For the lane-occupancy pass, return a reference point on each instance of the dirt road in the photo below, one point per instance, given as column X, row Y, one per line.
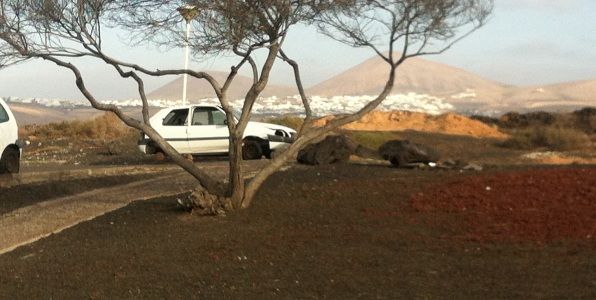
column 31, row 223
column 35, row 219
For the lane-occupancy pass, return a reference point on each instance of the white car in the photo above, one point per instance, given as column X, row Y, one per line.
column 9, row 143
column 202, row 129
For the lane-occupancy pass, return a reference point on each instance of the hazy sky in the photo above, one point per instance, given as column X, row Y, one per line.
column 526, row 42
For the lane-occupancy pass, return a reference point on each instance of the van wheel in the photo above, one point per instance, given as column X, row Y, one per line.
column 251, row 149
column 10, row 161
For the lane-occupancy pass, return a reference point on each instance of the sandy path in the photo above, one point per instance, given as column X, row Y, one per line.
column 34, row 222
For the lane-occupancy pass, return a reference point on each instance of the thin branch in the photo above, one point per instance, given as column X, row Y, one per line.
column 300, row 86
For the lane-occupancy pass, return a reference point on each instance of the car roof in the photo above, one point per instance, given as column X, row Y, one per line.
column 189, row 106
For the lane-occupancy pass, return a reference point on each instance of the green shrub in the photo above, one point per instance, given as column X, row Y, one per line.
column 586, row 119
column 552, row 138
column 514, row 120
column 486, row 119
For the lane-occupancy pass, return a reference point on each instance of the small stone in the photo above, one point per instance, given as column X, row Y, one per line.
column 448, row 163
column 472, row 167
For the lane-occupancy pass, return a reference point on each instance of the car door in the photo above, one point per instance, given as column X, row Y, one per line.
column 208, row 132
column 5, row 128
column 174, row 128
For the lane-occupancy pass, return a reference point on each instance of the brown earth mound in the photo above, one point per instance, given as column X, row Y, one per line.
column 539, row 206
column 404, row 120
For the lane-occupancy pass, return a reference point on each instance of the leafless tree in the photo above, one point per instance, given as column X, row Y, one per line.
column 62, row 30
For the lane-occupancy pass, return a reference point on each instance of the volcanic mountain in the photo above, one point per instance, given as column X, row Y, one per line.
column 415, row 75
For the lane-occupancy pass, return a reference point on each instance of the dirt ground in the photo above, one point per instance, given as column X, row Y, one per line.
column 339, row 232
column 360, row 230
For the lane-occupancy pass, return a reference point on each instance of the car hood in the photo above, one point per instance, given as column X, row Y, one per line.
column 255, row 125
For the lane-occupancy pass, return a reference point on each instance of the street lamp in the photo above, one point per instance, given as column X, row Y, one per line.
column 188, row 12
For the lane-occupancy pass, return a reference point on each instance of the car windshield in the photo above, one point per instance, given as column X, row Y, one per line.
column 3, row 114
column 236, row 111
column 176, row 117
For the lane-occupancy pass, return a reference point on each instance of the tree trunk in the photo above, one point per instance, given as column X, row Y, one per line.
column 236, row 178
column 310, row 134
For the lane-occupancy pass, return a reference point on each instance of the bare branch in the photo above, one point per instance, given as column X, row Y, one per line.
column 300, row 86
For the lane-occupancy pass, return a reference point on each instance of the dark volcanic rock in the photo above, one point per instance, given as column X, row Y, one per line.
column 401, row 153
column 333, row 149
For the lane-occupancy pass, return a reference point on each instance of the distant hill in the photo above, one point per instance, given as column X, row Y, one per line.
column 415, row 75
column 548, row 97
column 201, row 89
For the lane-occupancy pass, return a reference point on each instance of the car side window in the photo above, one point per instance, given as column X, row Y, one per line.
column 201, row 116
column 208, row 116
column 176, row 117
column 219, row 118
column 3, row 115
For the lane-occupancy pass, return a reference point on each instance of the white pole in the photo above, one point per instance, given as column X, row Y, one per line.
column 186, row 54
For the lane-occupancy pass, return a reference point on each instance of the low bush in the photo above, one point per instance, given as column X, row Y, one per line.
column 486, row 119
column 552, row 138
column 583, row 119
column 515, row 120
column 586, row 119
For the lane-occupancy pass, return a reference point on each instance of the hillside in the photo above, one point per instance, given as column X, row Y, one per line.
column 201, row 89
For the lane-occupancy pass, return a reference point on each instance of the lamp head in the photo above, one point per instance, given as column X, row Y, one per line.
column 188, row 12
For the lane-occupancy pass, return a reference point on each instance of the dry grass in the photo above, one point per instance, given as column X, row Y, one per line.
column 105, row 127
column 552, row 138
column 106, row 132
column 552, row 131
column 583, row 119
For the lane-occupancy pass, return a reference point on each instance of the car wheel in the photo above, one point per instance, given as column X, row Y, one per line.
column 10, row 161
column 398, row 161
column 251, row 149
column 268, row 154
column 151, row 149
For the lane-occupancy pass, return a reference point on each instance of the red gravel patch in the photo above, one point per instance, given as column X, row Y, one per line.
column 539, row 206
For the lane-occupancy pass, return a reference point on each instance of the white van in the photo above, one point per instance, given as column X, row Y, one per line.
column 9, row 143
column 202, row 129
